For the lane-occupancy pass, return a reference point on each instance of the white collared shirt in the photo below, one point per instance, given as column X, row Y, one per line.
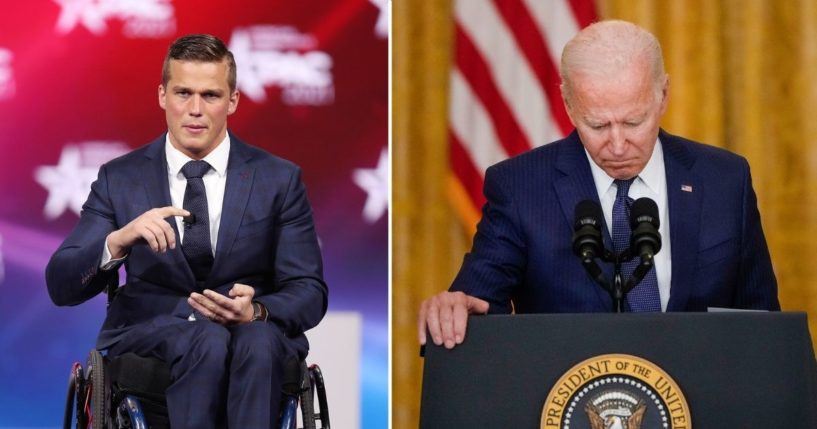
column 651, row 183
column 215, row 181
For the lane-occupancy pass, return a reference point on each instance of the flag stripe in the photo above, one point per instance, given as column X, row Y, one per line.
column 472, row 126
column 518, row 85
column 475, row 69
column 584, row 11
column 532, row 42
column 463, row 168
column 557, row 23
column 504, row 93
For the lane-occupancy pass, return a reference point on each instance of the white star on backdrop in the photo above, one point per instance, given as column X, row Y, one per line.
column 67, row 183
column 85, row 12
column 381, row 27
column 375, row 181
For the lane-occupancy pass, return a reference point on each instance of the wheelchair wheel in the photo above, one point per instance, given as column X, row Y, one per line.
column 319, row 386
column 96, row 390
column 307, row 398
column 75, row 390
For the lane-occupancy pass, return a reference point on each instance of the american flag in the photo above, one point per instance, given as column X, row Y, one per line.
column 504, row 86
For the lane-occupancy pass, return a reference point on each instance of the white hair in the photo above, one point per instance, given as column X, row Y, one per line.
column 607, row 47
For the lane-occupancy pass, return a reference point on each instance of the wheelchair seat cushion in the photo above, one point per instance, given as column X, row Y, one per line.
column 144, row 376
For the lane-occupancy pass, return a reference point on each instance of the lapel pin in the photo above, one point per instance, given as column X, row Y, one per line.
column 686, row 188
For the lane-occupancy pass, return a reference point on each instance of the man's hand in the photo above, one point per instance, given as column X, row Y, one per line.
column 446, row 316
column 223, row 310
column 151, row 227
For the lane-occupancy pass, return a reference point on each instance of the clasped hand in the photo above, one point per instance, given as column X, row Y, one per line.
column 227, row 311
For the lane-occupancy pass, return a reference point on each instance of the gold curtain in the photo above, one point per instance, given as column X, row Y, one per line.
column 741, row 76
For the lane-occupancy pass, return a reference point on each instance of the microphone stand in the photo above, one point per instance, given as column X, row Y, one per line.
column 618, row 290
column 588, row 245
column 617, row 293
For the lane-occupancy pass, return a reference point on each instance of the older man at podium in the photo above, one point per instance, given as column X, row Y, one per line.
column 713, row 252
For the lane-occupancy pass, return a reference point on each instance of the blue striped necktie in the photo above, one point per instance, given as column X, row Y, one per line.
column 644, row 297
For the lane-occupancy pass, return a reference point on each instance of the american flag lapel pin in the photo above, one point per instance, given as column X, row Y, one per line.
column 686, row 188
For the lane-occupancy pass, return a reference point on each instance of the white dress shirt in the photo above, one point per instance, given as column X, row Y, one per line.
column 215, row 181
column 650, row 183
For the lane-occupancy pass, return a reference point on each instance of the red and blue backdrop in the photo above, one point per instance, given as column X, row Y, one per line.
column 78, row 86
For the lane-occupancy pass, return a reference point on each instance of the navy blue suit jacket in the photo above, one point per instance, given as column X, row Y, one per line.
column 522, row 249
column 266, row 239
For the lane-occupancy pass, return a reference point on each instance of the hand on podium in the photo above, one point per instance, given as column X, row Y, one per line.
column 445, row 315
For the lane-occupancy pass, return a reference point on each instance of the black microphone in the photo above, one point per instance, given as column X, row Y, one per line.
column 587, row 241
column 645, row 240
column 188, row 221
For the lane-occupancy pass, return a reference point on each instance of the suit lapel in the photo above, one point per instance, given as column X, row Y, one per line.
column 684, row 197
column 155, row 181
column 240, row 177
column 158, row 192
column 575, row 186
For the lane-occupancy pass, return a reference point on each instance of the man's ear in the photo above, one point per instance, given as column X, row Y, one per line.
column 665, row 94
column 566, row 103
column 233, row 102
column 162, row 94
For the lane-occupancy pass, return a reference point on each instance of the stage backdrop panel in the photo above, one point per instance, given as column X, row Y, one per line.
column 78, row 86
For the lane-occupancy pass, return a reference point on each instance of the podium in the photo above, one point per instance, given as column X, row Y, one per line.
column 734, row 369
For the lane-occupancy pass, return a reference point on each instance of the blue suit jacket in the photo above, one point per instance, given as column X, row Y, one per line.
column 266, row 239
column 522, row 249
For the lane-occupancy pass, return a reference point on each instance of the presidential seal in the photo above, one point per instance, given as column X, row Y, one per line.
column 615, row 391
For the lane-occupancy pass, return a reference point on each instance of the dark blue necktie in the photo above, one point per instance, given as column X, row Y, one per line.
column 196, row 242
column 644, row 297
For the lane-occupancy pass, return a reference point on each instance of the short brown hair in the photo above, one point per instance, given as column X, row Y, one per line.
column 200, row 47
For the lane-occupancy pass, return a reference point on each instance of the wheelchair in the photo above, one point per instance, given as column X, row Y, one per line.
column 127, row 392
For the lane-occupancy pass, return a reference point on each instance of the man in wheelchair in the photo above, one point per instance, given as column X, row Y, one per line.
column 224, row 272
